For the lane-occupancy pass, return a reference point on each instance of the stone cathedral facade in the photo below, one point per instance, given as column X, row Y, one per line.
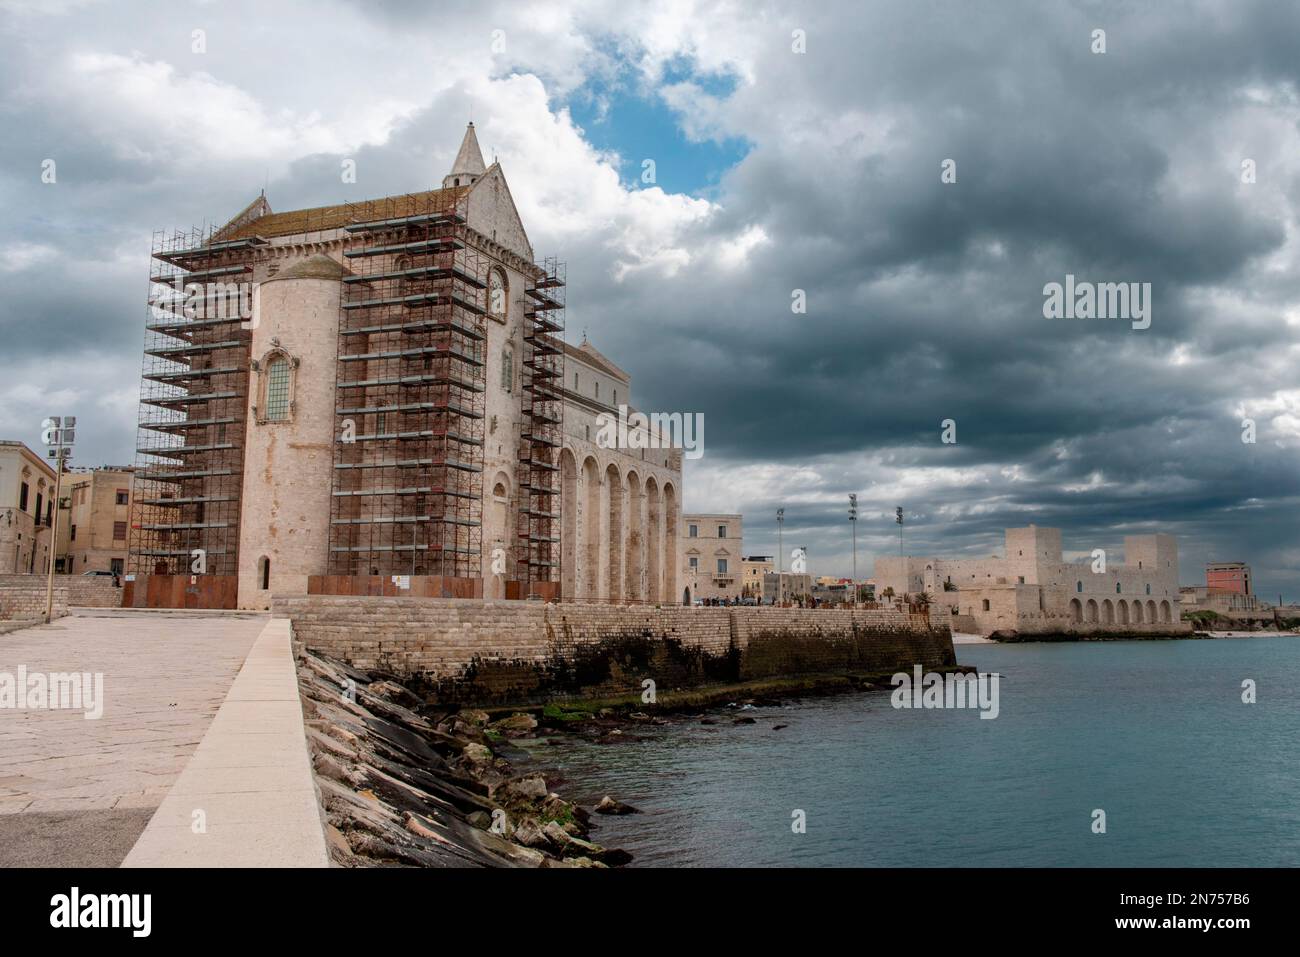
column 377, row 398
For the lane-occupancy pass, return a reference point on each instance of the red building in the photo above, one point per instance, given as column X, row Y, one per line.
column 1230, row 577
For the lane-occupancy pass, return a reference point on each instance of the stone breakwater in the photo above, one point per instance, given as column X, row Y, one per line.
column 401, row 784
column 497, row 653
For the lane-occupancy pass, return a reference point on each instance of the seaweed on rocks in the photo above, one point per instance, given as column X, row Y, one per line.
column 401, row 785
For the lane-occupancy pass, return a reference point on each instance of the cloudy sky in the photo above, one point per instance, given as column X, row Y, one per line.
column 774, row 170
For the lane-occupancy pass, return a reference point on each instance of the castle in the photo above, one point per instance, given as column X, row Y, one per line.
column 1031, row 590
column 376, row 398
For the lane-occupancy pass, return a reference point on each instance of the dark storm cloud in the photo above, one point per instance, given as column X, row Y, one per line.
column 924, row 299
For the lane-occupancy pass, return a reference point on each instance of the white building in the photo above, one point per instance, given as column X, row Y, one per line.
column 1031, row 590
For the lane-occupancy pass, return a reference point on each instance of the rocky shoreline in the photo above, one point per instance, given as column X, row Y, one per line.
column 402, row 784
column 405, row 783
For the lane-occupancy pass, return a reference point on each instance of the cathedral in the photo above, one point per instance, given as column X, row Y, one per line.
column 378, row 398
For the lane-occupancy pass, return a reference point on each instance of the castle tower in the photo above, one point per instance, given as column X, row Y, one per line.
column 1030, row 551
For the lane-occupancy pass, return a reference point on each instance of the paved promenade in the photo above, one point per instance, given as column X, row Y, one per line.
column 77, row 792
column 247, row 798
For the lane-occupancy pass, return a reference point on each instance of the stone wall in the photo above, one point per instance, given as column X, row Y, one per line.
column 22, row 597
column 500, row 652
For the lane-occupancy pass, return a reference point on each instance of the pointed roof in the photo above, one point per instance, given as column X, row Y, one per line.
column 469, row 160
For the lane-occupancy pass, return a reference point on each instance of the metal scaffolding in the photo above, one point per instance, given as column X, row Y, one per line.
column 541, row 432
column 190, row 439
column 408, row 454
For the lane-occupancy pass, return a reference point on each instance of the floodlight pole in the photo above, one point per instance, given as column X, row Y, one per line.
column 780, row 559
column 54, row 532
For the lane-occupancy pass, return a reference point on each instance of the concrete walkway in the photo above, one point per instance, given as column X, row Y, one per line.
column 77, row 792
column 247, row 798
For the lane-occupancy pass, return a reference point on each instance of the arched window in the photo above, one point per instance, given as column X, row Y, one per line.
column 264, row 572
column 497, row 292
column 1078, row 586
column 1148, row 589
column 1118, row 590
column 277, row 389
column 508, row 370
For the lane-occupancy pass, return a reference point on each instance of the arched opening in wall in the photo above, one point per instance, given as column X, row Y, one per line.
column 985, row 604
column 1123, row 612
column 264, row 573
column 686, row 596
column 632, row 564
column 1137, row 612
column 404, row 284
column 1151, row 612
column 1092, row 610
column 1165, row 613
column 589, row 580
column 1076, row 611
column 671, row 520
column 1108, row 612
column 614, row 483
column 568, row 525
column 499, row 537
column 653, row 539
column 277, row 389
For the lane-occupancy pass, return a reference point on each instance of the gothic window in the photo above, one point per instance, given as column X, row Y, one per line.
column 508, row 371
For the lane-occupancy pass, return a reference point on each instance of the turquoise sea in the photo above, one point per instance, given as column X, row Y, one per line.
column 1154, row 733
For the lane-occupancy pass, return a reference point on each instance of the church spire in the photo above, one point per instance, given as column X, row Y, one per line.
column 469, row 161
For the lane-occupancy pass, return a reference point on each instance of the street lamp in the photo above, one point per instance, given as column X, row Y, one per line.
column 853, row 523
column 780, row 558
column 58, row 434
column 898, row 517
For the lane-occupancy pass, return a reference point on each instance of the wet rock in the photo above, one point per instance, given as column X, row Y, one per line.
column 529, row 833
column 517, row 723
column 608, row 805
column 399, row 786
column 778, row 727
column 707, row 721
column 529, row 789
column 745, row 720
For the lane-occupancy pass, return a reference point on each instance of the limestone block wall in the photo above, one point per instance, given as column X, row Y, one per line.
column 289, row 462
column 498, row 652
column 23, row 596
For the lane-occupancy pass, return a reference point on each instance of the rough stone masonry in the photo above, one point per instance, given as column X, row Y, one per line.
column 471, row 651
